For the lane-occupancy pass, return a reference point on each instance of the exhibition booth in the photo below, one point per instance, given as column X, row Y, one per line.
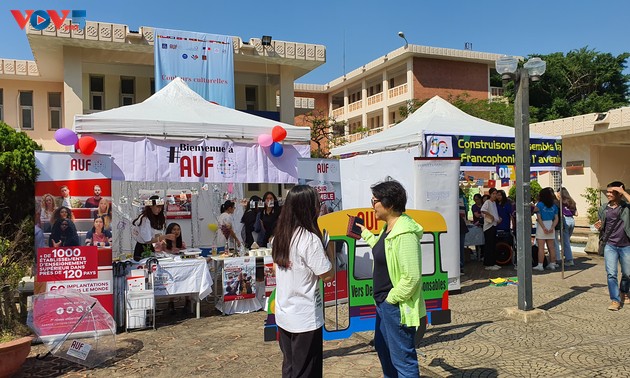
column 420, row 152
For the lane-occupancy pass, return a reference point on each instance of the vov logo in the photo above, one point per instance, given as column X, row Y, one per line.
column 40, row 19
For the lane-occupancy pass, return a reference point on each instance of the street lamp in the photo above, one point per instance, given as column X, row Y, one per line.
column 402, row 35
column 507, row 67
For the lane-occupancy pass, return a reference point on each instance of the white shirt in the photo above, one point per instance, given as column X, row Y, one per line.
column 299, row 302
column 490, row 207
column 224, row 219
column 144, row 233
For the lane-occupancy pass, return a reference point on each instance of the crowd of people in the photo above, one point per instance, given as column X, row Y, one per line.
column 55, row 217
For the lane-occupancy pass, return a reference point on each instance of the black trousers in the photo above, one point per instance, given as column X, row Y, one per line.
column 490, row 246
column 303, row 353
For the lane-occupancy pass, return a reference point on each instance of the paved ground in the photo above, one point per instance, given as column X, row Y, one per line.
column 576, row 337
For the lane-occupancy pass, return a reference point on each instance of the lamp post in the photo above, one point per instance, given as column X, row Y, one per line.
column 402, row 35
column 532, row 69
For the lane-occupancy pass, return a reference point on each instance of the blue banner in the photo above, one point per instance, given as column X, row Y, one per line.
column 204, row 61
column 489, row 151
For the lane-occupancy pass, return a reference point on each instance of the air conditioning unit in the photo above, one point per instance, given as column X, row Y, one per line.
column 601, row 118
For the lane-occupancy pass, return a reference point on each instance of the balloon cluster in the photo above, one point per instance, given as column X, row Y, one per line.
column 278, row 133
column 86, row 144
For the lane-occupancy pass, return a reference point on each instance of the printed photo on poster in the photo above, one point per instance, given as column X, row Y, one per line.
column 178, row 204
column 239, row 279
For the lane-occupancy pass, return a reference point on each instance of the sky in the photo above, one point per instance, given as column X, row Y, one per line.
column 357, row 32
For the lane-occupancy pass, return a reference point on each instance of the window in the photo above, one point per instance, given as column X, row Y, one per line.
column 391, row 83
column 1, row 104
column 127, row 91
column 54, row 110
column 557, row 179
column 251, row 98
column 97, row 93
column 26, row 110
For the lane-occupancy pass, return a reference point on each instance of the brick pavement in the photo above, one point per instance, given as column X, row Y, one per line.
column 577, row 337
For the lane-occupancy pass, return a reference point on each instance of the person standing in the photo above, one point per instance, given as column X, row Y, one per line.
column 546, row 221
column 569, row 211
column 227, row 236
column 614, row 229
column 93, row 202
column 397, row 280
column 300, row 259
column 148, row 227
column 490, row 222
column 249, row 221
column 268, row 218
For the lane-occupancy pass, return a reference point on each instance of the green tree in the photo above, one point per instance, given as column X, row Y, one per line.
column 534, row 189
column 580, row 82
column 18, row 172
column 326, row 132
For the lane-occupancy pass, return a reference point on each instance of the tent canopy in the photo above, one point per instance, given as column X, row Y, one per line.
column 178, row 111
column 436, row 116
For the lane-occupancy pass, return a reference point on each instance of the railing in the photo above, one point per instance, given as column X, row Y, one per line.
column 362, row 134
column 355, row 106
column 397, row 91
column 496, row 91
column 375, row 99
column 337, row 113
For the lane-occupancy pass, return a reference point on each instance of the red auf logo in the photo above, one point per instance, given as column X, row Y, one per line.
column 40, row 19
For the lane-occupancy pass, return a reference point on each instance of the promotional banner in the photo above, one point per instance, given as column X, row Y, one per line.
column 325, row 176
column 488, row 151
column 270, row 275
column 239, row 279
column 204, row 61
column 205, row 160
column 437, row 189
column 70, row 192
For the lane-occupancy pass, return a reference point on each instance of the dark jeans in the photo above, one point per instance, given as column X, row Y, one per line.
column 302, row 353
column 394, row 343
column 490, row 246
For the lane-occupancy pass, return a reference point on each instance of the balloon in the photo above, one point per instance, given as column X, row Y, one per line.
column 76, row 147
column 276, row 149
column 213, row 227
column 66, row 137
column 87, row 145
column 265, row 140
column 278, row 133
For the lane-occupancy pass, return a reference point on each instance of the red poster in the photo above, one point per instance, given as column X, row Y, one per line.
column 67, row 263
column 340, row 283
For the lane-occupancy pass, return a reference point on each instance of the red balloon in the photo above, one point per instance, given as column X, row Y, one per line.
column 76, row 147
column 87, row 145
column 278, row 133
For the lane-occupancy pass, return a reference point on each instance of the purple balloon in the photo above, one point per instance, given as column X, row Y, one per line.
column 66, row 137
column 276, row 149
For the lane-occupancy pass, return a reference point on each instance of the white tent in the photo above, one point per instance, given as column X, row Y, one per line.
column 436, row 116
column 177, row 111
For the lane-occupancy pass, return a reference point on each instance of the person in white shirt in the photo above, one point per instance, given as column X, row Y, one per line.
column 226, row 235
column 490, row 221
column 148, row 228
column 301, row 260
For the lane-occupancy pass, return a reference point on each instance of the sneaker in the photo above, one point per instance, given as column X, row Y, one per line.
column 539, row 268
column 625, row 299
column 492, row 267
column 614, row 306
column 552, row 266
column 569, row 263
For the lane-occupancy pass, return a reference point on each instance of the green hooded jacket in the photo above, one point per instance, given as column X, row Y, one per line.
column 404, row 265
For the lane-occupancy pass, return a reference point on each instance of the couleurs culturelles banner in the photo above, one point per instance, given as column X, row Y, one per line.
column 489, row 151
column 204, row 61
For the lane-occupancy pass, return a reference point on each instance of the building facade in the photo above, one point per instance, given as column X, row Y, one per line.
column 105, row 65
column 368, row 98
column 595, row 152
